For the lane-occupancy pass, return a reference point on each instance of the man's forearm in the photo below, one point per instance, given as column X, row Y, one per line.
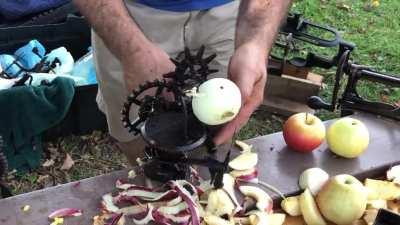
column 112, row 22
column 259, row 22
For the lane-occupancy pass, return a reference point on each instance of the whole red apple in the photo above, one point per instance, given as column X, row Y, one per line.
column 303, row 132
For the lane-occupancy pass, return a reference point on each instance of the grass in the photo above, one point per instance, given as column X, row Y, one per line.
column 376, row 32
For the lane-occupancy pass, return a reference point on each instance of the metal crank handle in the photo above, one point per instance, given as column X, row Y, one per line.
column 298, row 26
column 316, row 102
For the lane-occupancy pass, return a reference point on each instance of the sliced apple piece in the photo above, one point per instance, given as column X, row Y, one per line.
column 291, row 205
column 244, row 161
column 313, row 179
column 276, row 219
column 219, row 203
column 380, row 189
column 259, row 218
column 393, row 174
column 370, row 216
column 216, row 220
column 309, row 209
column 377, row 204
column 244, row 146
column 264, row 201
column 229, row 185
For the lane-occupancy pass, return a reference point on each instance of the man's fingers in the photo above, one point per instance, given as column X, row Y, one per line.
column 229, row 129
column 243, row 116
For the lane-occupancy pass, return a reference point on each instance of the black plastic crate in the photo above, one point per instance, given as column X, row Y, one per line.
column 83, row 116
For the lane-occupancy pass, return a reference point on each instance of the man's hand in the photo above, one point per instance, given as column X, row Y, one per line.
column 141, row 60
column 247, row 68
column 146, row 64
column 257, row 26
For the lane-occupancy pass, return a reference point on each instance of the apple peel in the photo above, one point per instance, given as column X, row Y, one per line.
column 150, row 195
column 147, row 218
column 65, row 212
column 172, row 210
column 244, row 175
column 188, row 198
column 108, row 203
column 116, row 219
column 166, row 219
column 132, row 210
column 126, row 186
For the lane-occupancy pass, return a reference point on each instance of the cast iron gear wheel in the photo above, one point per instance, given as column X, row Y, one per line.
column 190, row 71
column 146, row 103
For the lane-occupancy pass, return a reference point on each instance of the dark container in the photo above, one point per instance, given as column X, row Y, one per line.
column 74, row 34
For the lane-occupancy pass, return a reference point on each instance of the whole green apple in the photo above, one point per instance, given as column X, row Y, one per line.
column 303, row 132
column 348, row 137
column 343, row 199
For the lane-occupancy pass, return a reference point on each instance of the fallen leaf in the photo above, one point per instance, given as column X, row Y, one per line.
column 131, row 174
column 48, row 163
column 41, row 178
column 343, row 5
column 375, row 3
column 384, row 98
column 369, row 6
column 397, row 104
column 68, row 162
column 58, row 221
column 52, row 150
column 26, row 208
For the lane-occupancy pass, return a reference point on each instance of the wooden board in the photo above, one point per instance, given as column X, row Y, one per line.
column 286, row 95
column 293, row 88
column 278, row 166
column 283, row 106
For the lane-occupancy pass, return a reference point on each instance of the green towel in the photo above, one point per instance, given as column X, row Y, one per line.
column 25, row 113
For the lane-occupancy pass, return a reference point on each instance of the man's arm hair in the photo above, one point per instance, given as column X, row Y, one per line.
column 259, row 22
column 113, row 23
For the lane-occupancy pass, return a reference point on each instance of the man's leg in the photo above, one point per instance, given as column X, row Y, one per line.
column 215, row 28
column 161, row 27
